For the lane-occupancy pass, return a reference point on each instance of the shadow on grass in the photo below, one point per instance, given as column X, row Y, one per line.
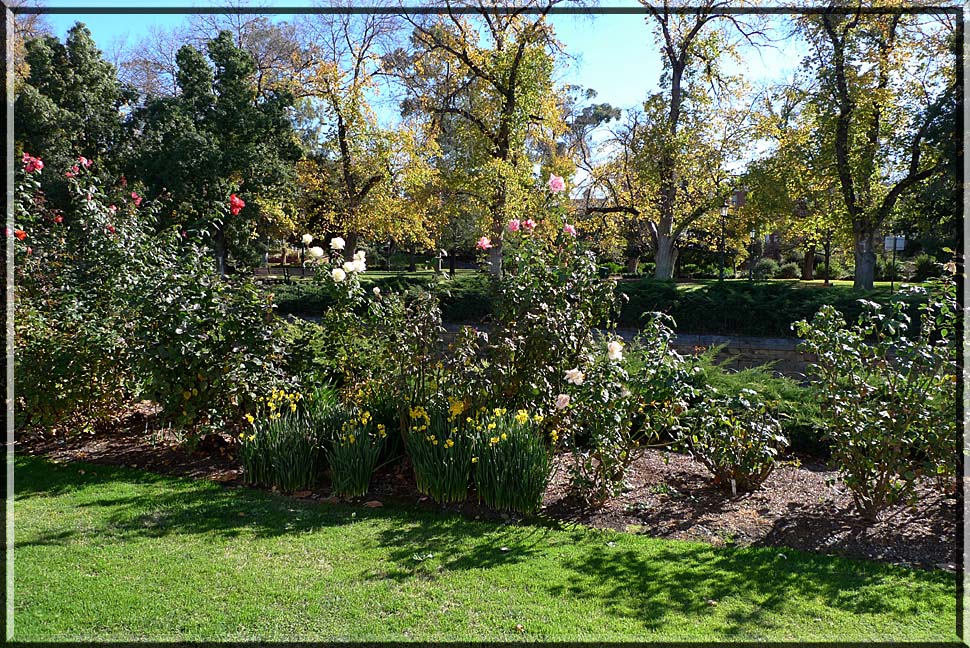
column 634, row 577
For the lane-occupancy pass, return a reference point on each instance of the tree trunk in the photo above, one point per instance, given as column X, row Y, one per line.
column 865, row 260
column 412, row 263
column 495, row 259
column 633, row 263
column 350, row 246
column 808, row 265
column 451, row 264
column 666, row 257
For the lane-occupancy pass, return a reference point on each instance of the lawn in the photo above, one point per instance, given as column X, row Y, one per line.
column 107, row 553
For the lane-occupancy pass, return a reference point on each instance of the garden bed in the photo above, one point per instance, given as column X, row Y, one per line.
column 669, row 496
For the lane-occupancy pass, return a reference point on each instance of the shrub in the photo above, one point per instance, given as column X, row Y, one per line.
column 599, row 426
column 548, row 303
column 789, row 271
column 926, row 267
column 209, row 350
column 440, row 450
column 280, row 449
column 797, row 405
column 512, row 461
column 736, row 438
column 889, row 399
column 73, row 304
column 741, row 308
column 765, row 269
column 659, row 379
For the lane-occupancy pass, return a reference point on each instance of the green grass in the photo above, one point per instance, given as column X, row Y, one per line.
column 106, row 553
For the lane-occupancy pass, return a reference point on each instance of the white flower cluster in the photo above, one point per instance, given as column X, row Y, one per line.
column 358, row 264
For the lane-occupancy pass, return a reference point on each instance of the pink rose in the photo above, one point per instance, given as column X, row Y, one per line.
column 484, row 243
column 86, row 163
column 113, row 209
column 136, row 198
column 514, row 225
column 528, row 225
column 31, row 163
column 569, row 229
column 73, row 172
column 556, row 183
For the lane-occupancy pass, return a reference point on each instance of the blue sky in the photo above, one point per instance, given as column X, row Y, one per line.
column 613, row 54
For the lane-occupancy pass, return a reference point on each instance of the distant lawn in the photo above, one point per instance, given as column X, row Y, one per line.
column 113, row 554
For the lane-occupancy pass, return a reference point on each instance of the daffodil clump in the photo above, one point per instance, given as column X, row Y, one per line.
column 353, row 449
column 279, row 449
column 512, row 460
column 440, row 448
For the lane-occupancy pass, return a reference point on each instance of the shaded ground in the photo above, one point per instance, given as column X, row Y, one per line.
column 668, row 496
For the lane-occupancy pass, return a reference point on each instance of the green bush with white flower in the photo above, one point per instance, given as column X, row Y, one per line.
column 889, row 396
column 736, row 437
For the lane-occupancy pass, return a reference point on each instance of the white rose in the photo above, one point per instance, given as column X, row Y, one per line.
column 338, row 275
column 350, row 266
column 359, row 255
column 615, row 350
column 337, row 243
column 562, row 401
column 575, row 376
column 377, row 291
column 359, row 265
column 307, row 239
column 316, row 251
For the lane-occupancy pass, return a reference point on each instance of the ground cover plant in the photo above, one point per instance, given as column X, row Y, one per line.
column 107, row 553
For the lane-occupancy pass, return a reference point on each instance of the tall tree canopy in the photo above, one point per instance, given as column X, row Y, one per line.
column 218, row 136
column 488, row 75
column 885, row 83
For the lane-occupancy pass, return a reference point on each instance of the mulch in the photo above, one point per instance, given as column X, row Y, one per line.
column 802, row 505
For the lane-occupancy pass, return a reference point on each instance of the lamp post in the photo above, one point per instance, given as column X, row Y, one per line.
column 724, row 212
column 751, row 257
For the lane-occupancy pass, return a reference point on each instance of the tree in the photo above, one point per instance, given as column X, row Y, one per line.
column 362, row 179
column 880, row 101
column 791, row 188
column 217, row 137
column 683, row 130
column 631, row 180
column 490, row 71
column 69, row 104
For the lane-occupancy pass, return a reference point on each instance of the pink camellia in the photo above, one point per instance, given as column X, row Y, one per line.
column 31, row 163
column 136, row 198
column 556, row 183
column 514, row 225
column 528, row 225
column 73, row 172
column 83, row 161
column 569, row 229
column 113, row 209
column 484, row 243
column 236, row 204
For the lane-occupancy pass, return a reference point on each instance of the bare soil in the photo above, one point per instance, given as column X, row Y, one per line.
column 669, row 495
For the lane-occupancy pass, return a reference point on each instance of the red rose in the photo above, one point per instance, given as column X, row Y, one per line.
column 111, row 228
column 20, row 234
column 58, row 219
column 235, row 204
